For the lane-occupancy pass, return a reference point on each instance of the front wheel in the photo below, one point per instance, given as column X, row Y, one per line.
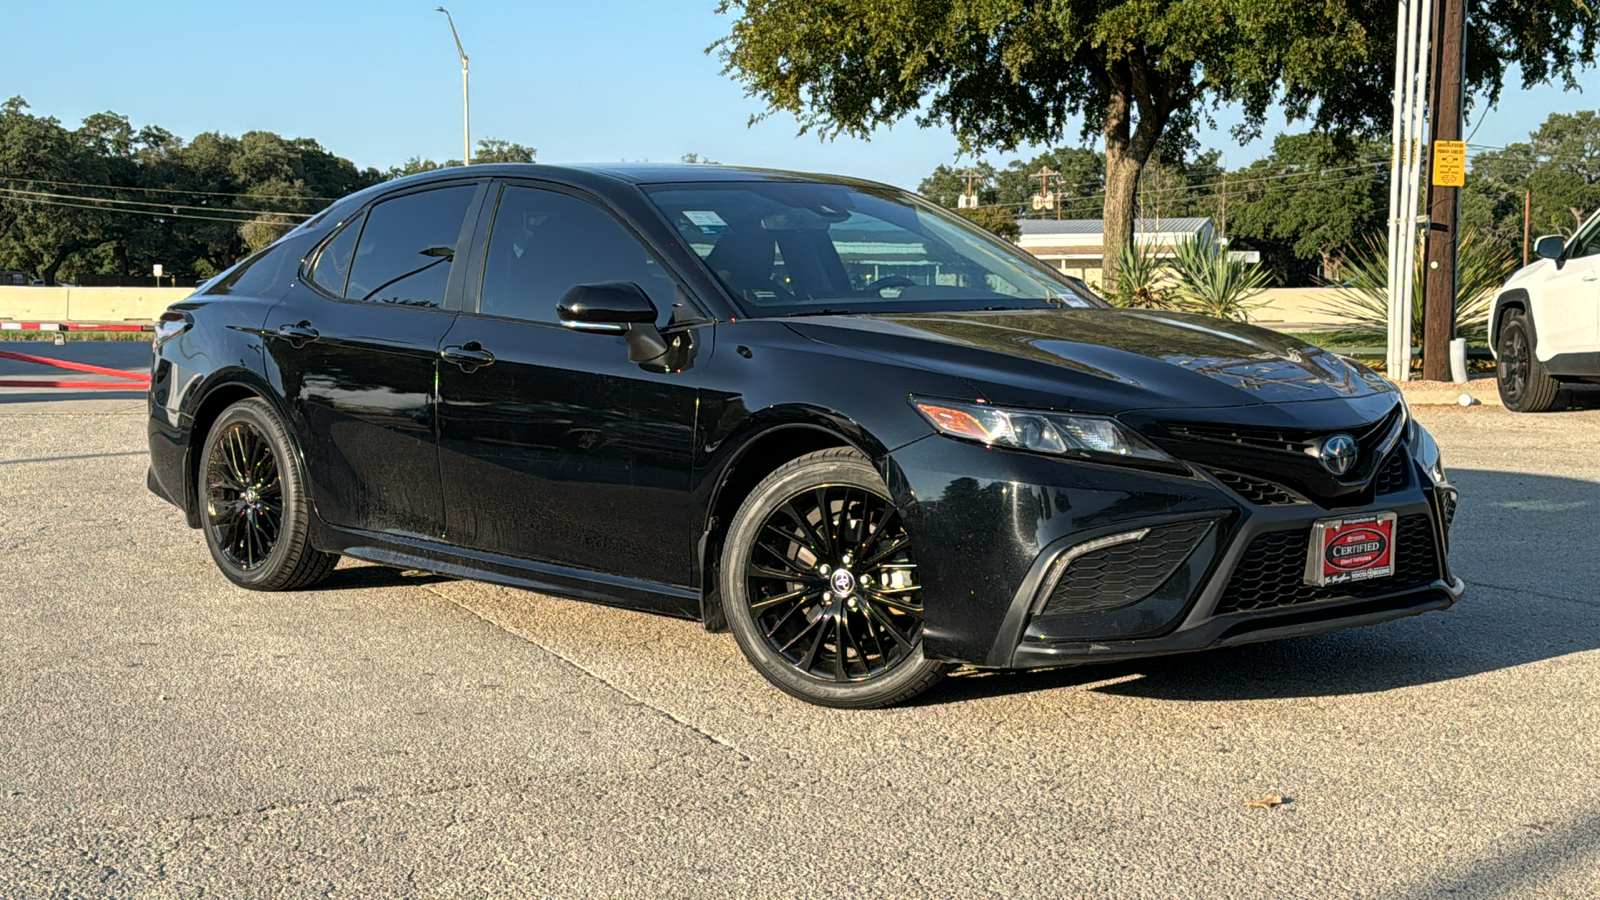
column 256, row 516
column 820, row 587
column 1525, row 386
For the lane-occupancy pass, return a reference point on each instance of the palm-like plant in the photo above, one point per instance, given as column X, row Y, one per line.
column 1140, row 282
column 1213, row 283
column 1362, row 300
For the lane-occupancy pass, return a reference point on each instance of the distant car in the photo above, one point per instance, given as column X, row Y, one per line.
column 864, row 435
column 1544, row 327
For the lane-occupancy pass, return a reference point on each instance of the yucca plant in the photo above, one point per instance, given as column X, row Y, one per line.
column 1212, row 283
column 1362, row 300
column 1140, row 282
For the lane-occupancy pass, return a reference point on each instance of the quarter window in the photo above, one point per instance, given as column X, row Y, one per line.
column 405, row 250
column 545, row 243
column 332, row 268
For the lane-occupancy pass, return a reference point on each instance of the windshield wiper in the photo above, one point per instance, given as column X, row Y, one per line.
column 828, row 311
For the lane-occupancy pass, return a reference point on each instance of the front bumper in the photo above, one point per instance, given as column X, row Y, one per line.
column 998, row 532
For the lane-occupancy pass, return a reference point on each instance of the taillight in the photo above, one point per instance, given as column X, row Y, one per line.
column 171, row 324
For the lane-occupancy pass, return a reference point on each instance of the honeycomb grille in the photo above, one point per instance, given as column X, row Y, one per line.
column 1272, row 572
column 1124, row 573
column 1257, row 490
column 1393, row 476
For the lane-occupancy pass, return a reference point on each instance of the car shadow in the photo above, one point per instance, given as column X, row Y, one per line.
column 364, row 575
column 1523, row 543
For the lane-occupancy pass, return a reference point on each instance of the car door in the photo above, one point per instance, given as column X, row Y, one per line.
column 354, row 349
column 1569, row 318
column 553, row 446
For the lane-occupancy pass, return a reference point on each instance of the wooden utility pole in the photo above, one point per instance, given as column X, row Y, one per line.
column 1439, row 296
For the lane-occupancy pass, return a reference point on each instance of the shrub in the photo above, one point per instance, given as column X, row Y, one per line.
column 1362, row 300
column 1212, row 283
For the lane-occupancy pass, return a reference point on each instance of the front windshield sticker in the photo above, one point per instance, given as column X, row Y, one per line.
column 709, row 221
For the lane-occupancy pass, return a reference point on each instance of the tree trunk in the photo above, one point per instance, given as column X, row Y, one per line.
column 1122, row 183
column 1129, row 144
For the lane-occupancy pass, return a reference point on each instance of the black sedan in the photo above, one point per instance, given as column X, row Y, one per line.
column 869, row 439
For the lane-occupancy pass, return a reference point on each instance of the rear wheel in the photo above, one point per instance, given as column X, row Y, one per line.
column 255, row 515
column 1524, row 384
column 820, row 587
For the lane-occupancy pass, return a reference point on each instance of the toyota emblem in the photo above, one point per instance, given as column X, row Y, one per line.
column 1338, row 453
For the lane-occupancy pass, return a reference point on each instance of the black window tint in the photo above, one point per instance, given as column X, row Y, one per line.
column 332, row 267
column 406, row 248
column 545, row 243
column 1587, row 243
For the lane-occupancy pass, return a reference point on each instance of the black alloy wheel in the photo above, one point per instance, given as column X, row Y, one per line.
column 820, row 581
column 253, row 508
column 1524, row 384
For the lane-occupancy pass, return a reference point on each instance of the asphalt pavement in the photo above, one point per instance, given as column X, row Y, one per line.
column 168, row 735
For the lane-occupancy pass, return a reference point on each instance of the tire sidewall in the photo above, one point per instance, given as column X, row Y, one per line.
column 776, row 489
column 258, row 415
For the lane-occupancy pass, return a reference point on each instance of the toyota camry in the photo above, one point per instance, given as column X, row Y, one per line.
column 869, row 439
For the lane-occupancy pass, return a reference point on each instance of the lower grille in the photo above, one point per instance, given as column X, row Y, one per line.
column 1123, row 573
column 1271, row 573
column 1393, row 476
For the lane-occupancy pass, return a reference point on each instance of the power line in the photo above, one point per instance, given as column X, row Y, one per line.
column 136, row 212
column 172, row 206
column 153, row 190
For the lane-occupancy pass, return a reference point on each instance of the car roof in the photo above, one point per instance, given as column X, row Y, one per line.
column 633, row 173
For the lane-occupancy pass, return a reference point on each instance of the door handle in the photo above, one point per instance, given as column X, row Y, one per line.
column 1592, row 276
column 469, row 356
column 298, row 335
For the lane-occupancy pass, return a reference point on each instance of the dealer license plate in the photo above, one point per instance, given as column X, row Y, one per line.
column 1353, row 548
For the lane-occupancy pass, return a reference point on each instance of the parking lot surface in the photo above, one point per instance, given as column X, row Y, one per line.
column 390, row 734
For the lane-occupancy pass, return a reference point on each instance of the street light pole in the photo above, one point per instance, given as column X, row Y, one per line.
column 466, row 106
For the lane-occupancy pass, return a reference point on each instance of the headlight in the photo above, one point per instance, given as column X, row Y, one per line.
column 1061, row 434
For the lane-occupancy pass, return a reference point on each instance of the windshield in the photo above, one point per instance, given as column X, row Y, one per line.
column 804, row 248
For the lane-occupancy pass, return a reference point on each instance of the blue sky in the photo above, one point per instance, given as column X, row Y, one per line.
column 377, row 81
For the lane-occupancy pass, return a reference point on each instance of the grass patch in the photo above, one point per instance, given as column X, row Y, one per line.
column 50, row 336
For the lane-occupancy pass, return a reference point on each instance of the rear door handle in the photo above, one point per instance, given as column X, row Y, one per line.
column 469, row 356
column 298, row 335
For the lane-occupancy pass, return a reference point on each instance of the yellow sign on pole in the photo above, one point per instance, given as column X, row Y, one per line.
column 1449, row 163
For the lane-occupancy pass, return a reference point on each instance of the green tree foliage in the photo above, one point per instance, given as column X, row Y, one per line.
column 1140, row 75
column 1308, row 203
column 994, row 219
column 490, row 150
column 1558, row 166
column 108, row 199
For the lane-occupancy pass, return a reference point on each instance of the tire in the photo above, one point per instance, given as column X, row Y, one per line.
column 1525, row 386
column 790, row 588
column 254, row 511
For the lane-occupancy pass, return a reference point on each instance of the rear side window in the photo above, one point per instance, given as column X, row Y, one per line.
column 404, row 253
column 545, row 243
column 332, row 268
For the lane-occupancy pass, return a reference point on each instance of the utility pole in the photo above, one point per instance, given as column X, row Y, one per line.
column 466, row 106
column 1439, row 296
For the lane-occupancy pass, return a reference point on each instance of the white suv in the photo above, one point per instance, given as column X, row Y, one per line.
column 1545, row 325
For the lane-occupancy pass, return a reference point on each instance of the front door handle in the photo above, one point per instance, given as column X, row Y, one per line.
column 298, row 335
column 1592, row 276
column 469, row 356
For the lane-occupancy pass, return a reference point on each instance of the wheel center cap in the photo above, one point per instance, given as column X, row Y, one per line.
column 843, row 582
column 250, row 495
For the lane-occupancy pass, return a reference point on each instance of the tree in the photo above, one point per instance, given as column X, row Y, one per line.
column 1142, row 75
column 1308, row 203
column 1559, row 168
column 490, row 150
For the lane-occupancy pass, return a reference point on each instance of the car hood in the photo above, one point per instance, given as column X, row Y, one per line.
column 1103, row 360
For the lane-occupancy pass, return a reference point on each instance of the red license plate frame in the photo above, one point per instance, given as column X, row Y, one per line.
column 1351, row 548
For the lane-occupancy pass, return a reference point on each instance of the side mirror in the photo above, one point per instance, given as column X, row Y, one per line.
column 1549, row 246
column 605, row 305
column 615, row 307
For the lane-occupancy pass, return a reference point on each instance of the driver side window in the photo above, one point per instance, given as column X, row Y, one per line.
column 544, row 243
column 1587, row 241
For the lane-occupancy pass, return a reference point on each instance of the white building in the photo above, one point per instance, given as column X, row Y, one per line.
column 1077, row 246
